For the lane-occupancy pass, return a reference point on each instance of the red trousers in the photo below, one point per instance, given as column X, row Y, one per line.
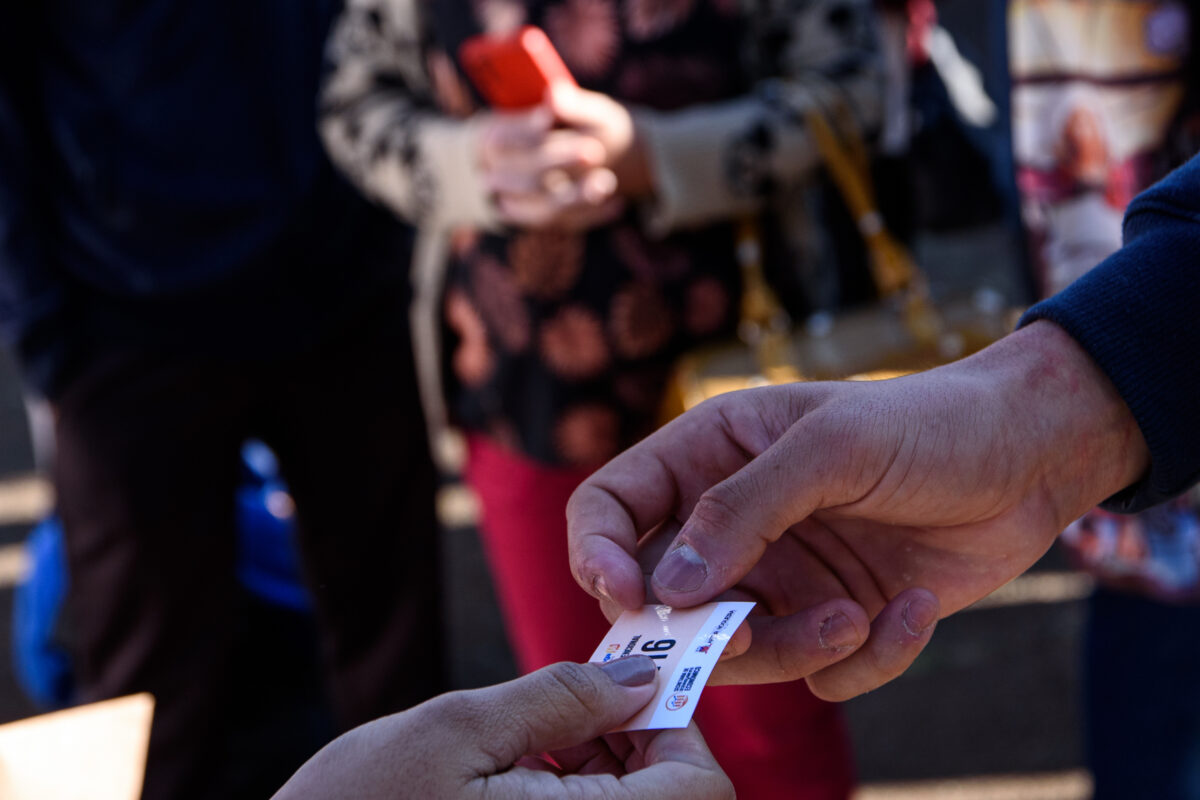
column 775, row 741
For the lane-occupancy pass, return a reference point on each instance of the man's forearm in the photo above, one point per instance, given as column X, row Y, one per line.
column 1089, row 442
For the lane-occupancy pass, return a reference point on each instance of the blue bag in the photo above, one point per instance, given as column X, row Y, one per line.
column 267, row 566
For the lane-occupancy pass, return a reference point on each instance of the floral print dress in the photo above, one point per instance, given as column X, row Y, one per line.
column 563, row 341
column 559, row 344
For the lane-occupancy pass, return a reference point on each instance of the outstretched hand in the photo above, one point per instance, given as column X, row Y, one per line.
column 489, row 744
column 858, row 514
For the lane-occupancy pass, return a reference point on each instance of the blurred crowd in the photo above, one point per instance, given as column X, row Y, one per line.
column 261, row 260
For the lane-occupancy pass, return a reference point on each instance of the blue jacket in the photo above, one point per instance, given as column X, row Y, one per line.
column 1137, row 315
column 162, row 183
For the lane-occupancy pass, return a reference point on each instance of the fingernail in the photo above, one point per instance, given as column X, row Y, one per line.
column 919, row 615
column 682, row 570
column 838, row 633
column 559, row 185
column 599, row 186
column 600, row 587
column 631, row 671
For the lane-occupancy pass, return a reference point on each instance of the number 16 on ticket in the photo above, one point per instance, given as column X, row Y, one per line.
column 686, row 643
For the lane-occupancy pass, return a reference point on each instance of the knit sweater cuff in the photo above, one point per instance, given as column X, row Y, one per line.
column 1135, row 315
column 688, row 152
column 451, row 150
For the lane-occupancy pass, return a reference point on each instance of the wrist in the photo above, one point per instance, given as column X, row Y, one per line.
column 635, row 176
column 1086, row 441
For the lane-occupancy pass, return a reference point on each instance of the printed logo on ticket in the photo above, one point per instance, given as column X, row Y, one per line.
column 686, row 643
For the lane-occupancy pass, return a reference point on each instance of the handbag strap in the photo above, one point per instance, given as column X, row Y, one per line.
column 893, row 268
column 764, row 325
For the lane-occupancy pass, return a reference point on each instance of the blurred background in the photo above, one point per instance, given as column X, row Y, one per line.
column 992, row 710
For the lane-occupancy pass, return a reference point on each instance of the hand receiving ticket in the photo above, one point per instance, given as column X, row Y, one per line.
column 686, row 643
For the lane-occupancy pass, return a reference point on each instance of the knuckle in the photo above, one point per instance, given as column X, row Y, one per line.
column 574, row 685
column 829, row 689
column 577, row 503
column 869, row 668
column 741, row 514
column 455, row 711
column 786, row 662
column 720, row 507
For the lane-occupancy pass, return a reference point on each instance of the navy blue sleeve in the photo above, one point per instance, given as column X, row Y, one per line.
column 1136, row 314
column 32, row 290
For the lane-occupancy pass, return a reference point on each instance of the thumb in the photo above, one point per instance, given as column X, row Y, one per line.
column 735, row 520
column 560, row 706
column 575, row 107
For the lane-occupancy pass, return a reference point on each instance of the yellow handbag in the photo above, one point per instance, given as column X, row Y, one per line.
column 906, row 332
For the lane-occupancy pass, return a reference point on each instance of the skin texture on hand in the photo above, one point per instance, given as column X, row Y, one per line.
column 857, row 514
column 487, row 744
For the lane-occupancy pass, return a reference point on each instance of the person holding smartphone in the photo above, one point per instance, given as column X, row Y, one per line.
column 578, row 247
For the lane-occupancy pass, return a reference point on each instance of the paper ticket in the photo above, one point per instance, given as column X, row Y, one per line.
column 686, row 643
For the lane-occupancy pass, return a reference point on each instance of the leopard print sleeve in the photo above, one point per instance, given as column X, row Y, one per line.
column 380, row 125
column 723, row 159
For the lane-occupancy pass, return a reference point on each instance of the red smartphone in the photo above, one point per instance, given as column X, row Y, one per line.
column 514, row 71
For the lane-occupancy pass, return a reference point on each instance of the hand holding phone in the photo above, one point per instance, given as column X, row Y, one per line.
column 513, row 72
column 553, row 166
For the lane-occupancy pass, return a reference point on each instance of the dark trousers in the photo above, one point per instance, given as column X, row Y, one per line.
column 1142, row 691
column 146, row 469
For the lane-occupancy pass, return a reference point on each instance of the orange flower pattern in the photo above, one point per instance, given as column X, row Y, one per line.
column 573, row 345
column 640, row 322
column 588, row 435
column 649, row 19
column 546, row 263
column 499, row 299
column 707, row 307
column 655, row 262
column 587, row 33
column 473, row 361
column 500, row 16
column 641, row 391
column 669, row 82
column 563, row 341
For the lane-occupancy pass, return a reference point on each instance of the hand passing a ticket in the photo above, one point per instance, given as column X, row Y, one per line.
column 684, row 644
column 857, row 513
column 488, row 744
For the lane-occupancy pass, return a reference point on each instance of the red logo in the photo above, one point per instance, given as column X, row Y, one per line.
column 676, row 702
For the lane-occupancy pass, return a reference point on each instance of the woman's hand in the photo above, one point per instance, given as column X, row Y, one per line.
column 570, row 163
column 488, row 744
column 612, row 125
